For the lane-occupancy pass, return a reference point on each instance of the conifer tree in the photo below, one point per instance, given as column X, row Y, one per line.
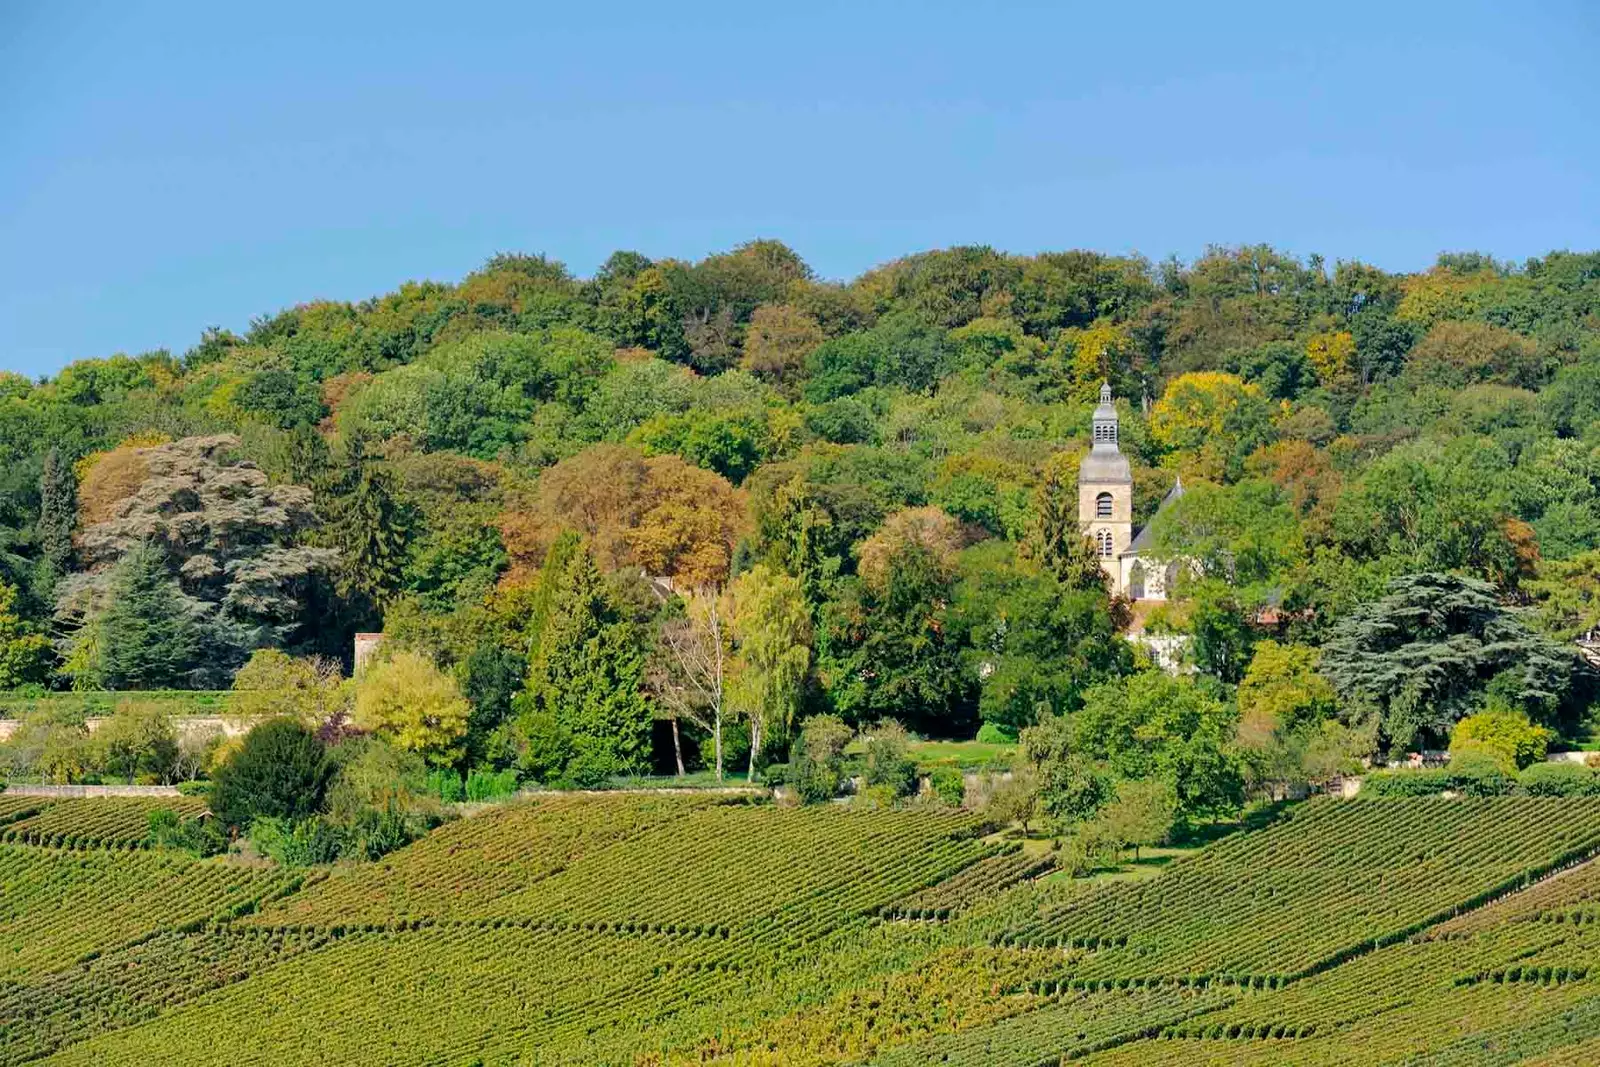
column 370, row 528
column 1059, row 544
column 147, row 638
column 584, row 677
column 1423, row 655
column 58, row 509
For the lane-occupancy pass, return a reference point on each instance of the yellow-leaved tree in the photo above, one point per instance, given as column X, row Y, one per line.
column 273, row 682
column 1217, row 418
column 772, row 627
column 418, row 707
column 1333, row 356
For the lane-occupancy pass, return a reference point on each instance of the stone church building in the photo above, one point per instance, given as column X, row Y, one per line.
column 1105, row 511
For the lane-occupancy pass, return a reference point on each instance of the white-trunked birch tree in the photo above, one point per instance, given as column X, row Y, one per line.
column 688, row 674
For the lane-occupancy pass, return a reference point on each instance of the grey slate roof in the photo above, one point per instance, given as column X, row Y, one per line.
column 1145, row 540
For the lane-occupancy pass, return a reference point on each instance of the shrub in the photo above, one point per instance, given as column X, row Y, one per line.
column 201, row 836
column 1480, row 774
column 447, row 785
column 488, row 785
column 949, row 785
column 280, row 771
column 1559, row 780
column 817, row 769
column 1507, row 734
column 1405, row 783
column 296, row 842
column 880, row 797
column 546, row 746
column 887, row 762
column 991, row 733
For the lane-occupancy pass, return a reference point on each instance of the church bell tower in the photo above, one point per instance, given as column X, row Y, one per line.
column 1105, row 492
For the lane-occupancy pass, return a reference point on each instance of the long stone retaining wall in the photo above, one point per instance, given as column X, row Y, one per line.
column 78, row 791
column 184, row 724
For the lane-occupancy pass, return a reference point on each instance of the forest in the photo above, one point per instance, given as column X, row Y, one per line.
column 728, row 517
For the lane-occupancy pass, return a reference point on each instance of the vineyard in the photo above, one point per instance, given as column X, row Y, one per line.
column 109, row 822
column 671, row 930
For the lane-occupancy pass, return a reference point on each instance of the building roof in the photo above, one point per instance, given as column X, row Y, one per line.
column 1145, row 540
column 1105, row 463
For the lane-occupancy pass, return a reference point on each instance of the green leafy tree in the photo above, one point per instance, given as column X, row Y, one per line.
column 138, row 742
column 1069, row 784
column 1418, row 659
column 1434, row 508
column 816, row 765
column 24, row 654
column 1034, row 642
column 888, row 761
column 1566, row 596
column 890, row 648
column 1222, row 634
column 490, row 677
column 1142, row 814
column 1156, row 725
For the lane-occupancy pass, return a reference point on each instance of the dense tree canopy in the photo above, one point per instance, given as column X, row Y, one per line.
column 518, row 477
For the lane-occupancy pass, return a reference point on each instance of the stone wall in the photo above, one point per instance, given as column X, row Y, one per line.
column 184, row 724
column 92, row 791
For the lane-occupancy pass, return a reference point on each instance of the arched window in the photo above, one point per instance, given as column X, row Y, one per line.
column 1136, row 581
column 1102, row 506
column 1104, row 537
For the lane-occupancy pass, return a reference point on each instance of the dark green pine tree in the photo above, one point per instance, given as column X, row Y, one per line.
column 371, row 529
column 585, row 677
column 147, row 638
column 58, row 512
column 1059, row 544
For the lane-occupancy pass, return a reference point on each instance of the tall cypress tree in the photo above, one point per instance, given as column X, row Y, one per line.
column 147, row 638
column 58, row 512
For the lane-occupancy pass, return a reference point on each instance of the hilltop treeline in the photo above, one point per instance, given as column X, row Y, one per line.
column 559, row 493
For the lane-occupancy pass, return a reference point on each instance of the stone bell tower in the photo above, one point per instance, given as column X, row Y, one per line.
column 1105, row 492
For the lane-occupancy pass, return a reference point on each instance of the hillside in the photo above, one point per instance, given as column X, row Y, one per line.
column 656, row 930
column 882, row 497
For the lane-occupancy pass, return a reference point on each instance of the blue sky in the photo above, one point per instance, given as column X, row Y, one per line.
column 164, row 167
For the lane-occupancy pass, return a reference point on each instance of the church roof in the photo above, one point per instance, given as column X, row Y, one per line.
column 1145, row 540
column 1105, row 462
column 1100, row 466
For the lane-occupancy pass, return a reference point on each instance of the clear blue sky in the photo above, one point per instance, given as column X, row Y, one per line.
column 167, row 166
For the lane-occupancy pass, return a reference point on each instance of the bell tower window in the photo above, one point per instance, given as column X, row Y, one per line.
column 1102, row 506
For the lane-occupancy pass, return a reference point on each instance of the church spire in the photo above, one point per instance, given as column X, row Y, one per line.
column 1105, row 421
column 1105, row 461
